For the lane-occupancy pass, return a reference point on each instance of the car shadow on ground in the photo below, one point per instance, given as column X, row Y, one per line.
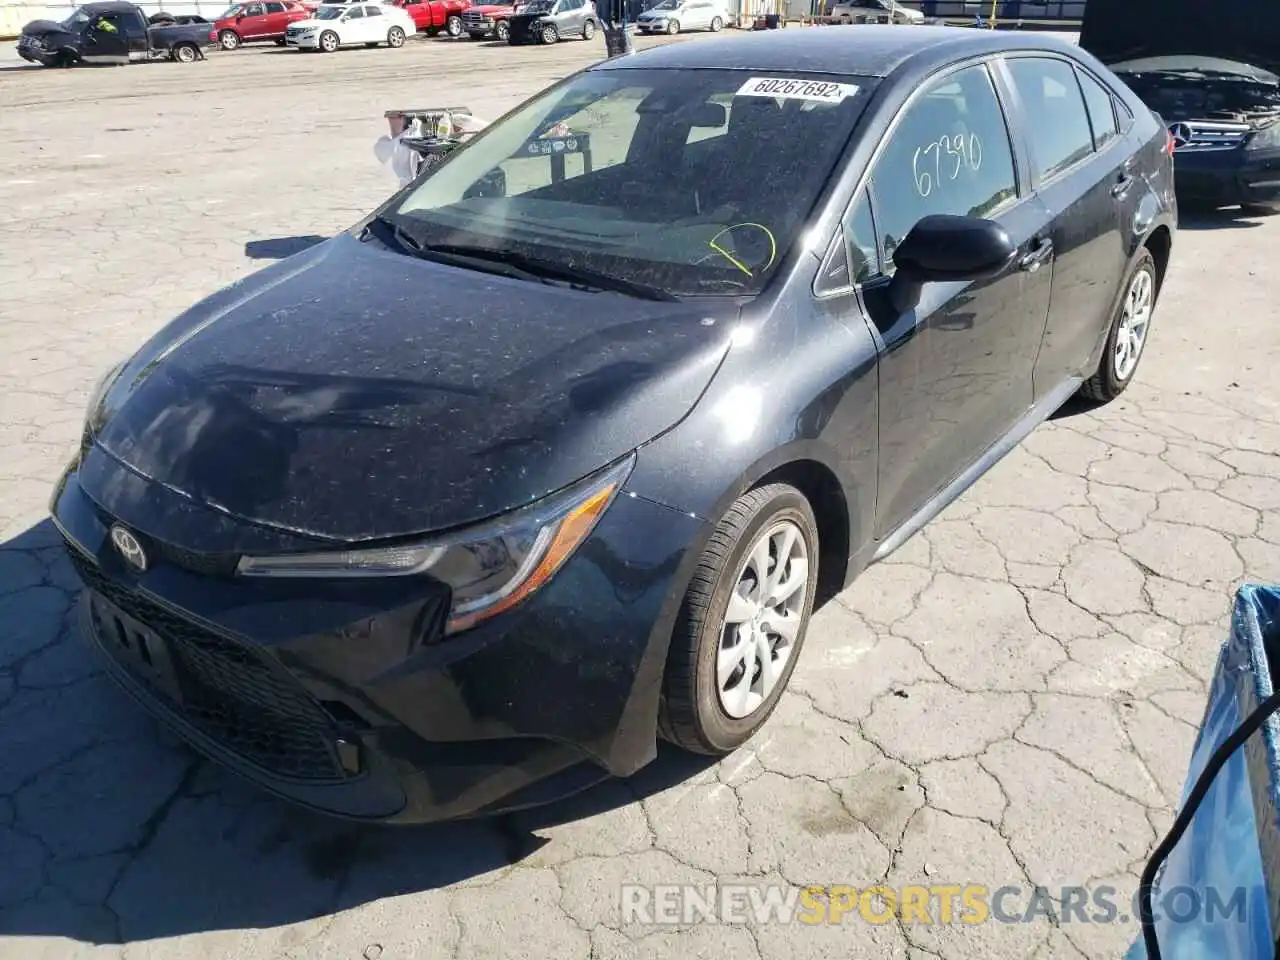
column 278, row 248
column 1232, row 218
column 112, row 831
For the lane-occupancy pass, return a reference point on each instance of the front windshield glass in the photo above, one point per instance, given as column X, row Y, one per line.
column 538, row 6
column 330, row 13
column 668, row 5
column 78, row 18
column 692, row 181
column 231, row 11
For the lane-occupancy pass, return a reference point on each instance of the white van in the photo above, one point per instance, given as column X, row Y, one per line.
column 672, row 16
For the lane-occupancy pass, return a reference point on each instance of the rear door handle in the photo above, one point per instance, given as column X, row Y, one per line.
column 1122, row 185
column 1038, row 255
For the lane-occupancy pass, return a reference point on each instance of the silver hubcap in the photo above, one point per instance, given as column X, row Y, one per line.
column 1135, row 318
column 762, row 622
column 329, row 42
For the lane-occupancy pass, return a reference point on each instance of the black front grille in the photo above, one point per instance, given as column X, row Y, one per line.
column 235, row 693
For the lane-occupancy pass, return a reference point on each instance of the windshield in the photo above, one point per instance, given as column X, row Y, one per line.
column 668, row 5
column 329, row 13
column 538, row 6
column 77, row 19
column 231, row 11
column 692, row 181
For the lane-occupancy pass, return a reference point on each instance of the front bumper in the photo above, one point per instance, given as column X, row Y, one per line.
column 309, row 41
column 341, row 696
column 1224, row 178
column 31, row 53
column 651, row 26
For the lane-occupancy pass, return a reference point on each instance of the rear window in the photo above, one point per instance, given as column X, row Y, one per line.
column 696, row 181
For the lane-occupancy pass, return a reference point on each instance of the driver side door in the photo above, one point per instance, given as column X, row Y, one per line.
column 955, row 369
column 105, row 40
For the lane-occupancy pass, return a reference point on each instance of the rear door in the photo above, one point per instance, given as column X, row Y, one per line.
column 1081, row 168
column 277, row 19
column 956, row 370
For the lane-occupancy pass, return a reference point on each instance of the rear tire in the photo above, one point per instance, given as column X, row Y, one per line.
column 228, row 40
column 186, row 53
column 714, row 664
column 1124, row 349
column 395, row 38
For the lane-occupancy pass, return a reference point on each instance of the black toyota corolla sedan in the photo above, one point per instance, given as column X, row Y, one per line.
column 552, row 455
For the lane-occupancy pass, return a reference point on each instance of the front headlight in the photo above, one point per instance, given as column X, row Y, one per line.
column 1268, row 138
column 490, row 568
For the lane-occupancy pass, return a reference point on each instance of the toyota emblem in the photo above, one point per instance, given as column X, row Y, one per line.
column 1181, row 133
column 129, row 548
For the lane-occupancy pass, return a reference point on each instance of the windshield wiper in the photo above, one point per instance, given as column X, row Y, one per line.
column 536, row 268
column 518, row 266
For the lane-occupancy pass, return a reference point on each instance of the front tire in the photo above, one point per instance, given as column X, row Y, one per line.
column 673, row 27
column 453, row 26
column 395, row 38
column 502, row 31
column 588, row 30
column 228, row 40
column 329, row 41
column 717, row 24
column 1130, row 331
column 743, row 622
column 549, row 34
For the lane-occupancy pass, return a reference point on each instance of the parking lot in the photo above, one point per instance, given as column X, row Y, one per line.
column 1009, row 701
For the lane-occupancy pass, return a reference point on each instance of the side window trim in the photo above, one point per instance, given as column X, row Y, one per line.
column 1084, row 73
column 841, row 239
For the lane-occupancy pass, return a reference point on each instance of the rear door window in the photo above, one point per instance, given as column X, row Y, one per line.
column 1102, row 110
column 1057, row 121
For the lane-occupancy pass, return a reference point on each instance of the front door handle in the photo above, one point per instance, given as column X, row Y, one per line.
column 1038, row 255
column 1122, row 185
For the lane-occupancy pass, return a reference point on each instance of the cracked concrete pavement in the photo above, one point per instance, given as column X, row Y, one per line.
column 1010, row 699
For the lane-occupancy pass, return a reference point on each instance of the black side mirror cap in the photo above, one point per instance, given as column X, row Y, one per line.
column 942, row 248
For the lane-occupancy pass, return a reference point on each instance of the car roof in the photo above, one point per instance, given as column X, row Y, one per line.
column 870, row 50
column 108, row 7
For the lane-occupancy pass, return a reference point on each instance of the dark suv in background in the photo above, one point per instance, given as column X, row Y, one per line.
column 547, row 21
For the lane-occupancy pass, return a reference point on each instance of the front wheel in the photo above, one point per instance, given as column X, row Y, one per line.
column 1129, row 333
column 673, row 27
column 395, row 38
column 550, row 34
column 717, row 24
column 228, row 39
column 742, row 623
column 453, row 26
column 329, row 41
column 588, row 30
column 502, row 31
column 186, row 53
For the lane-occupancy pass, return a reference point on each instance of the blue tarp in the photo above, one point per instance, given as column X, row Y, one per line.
column 1219, row 891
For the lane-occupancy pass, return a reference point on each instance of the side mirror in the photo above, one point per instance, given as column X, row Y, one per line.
column 943, row 248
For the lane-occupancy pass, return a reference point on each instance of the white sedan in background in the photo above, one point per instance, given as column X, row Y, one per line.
column 337, row 25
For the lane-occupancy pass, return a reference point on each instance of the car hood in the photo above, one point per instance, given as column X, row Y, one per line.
column 489, row 9
column 308, row 22
column 44, row 28
column 351, row 392
column 1247, row 31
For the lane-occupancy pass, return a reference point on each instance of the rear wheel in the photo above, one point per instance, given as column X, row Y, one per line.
column 453, row 26
column 550, row 34
column 1129, row 333
column 673, row 27
column 395, row 38
column 329, row 41
column 742, row 623
column 186, row 53
column 717, row 24
column 228, row 39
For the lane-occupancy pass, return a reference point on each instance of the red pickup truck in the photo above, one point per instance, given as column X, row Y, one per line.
column 434, row 17
column 490, row 19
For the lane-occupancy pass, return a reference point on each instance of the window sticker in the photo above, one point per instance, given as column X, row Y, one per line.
column 784, row 88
